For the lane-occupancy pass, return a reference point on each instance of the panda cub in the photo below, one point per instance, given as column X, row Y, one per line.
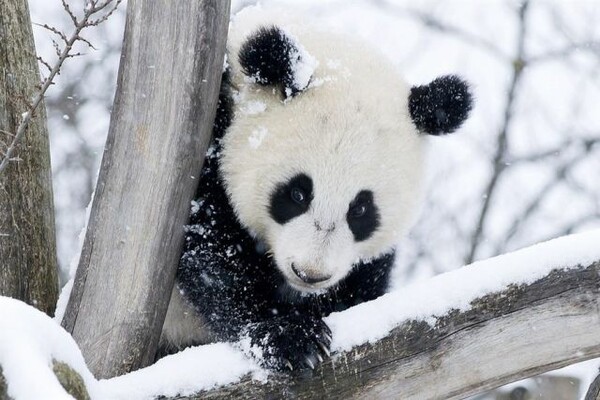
column 314, row 172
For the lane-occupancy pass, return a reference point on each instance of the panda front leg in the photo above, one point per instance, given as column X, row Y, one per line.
column 241, row 302
column 281, row 336
column 291, row 342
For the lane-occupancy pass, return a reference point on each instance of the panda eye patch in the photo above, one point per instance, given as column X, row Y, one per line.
column 363, row 216
column 291, row 199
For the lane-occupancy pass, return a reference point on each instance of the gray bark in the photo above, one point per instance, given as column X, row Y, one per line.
column 161, row 123
column 519, row 332
column 28, row 263
column 593, row 392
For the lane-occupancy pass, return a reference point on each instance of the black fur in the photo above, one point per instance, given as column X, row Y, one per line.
column 224, row 113
column 269, row 56
column 363, row 216
column 284, row 206
column 441, row 106
column 230, row 280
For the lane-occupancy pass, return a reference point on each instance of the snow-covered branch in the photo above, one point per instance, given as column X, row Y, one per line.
column 460, row 333
column 526, row 328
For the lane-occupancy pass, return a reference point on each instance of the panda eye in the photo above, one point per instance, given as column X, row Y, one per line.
column 298, row 195
column 363, row 215
column 358, row 211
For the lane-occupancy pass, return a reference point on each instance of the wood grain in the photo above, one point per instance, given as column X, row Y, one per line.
column 160, row 127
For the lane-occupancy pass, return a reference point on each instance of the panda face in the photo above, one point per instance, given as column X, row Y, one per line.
column 326, row 179
column 315, row 246
column 327, row 170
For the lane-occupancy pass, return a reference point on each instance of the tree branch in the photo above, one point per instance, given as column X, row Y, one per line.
column 63, row 55
column 518, row 332
column 502, row 145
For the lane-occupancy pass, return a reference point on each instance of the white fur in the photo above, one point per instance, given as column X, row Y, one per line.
column 349, row 131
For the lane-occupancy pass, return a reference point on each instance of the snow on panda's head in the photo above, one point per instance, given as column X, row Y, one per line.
column 326, row 169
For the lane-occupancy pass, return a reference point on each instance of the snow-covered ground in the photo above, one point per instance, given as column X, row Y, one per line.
column 30, row 340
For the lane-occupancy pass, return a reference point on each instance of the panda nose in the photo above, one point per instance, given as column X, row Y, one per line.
column 309, row 278
column 327, row 229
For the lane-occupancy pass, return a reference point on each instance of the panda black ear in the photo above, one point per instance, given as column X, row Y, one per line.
column 441, row 106
column 272, row 57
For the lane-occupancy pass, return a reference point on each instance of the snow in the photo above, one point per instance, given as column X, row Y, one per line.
column 253, row 107
column 371, row 321
column 257, row 136
column 29, row 339
column 184, row 373
column 303, row 64
column 65, row 292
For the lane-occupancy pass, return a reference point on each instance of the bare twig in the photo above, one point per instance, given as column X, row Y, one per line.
column 53, row 30
column 587, row 144
column 590, row 46
column 44, row 63
column 518, row 222
column 499, row 165
column 92, row 9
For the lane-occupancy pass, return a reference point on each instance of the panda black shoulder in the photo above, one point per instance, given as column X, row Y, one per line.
column 224, row 114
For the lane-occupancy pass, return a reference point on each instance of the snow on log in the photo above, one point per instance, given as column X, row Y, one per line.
column 160, row 127
column 505, row 336
column 39, row 359
column 458, row 334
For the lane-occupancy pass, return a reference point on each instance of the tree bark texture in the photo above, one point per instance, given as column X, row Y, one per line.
column 519, row 332
column 593, row 392
column 28, row 263
column 160, row 128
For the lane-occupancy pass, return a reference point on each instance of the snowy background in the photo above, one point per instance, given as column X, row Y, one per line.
column 524, row 168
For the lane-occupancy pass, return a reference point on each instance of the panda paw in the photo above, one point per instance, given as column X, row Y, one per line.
column 292, row 343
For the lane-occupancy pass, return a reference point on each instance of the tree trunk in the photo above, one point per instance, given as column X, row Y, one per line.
column 160, row 128
column 28, row 264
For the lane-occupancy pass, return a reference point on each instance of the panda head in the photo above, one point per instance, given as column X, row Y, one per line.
column 324, row 158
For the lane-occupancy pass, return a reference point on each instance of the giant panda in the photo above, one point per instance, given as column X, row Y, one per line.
column 314, row 172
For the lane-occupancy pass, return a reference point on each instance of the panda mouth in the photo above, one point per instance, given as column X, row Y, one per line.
column 311, row 279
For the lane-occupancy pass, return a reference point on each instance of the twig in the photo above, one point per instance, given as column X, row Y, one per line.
column 44, row 63
column 535, row 203
column 591, row 46
column 499, row 159
column 92, row 9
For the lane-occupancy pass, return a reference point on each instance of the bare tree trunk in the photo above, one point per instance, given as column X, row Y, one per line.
column 28, row 264
column 161, row 124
